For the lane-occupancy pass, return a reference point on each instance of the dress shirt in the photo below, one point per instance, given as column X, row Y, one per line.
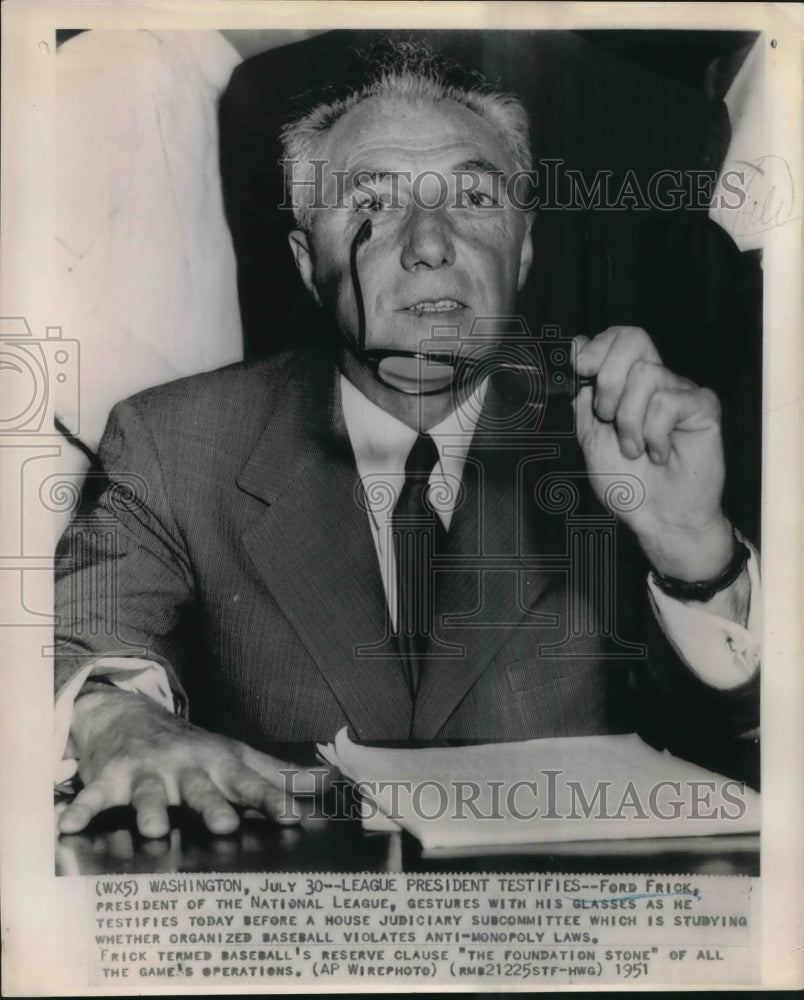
column 381, row 445
column 721, row 652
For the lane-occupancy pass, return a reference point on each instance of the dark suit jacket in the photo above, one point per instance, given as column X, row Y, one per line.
column 231, row 545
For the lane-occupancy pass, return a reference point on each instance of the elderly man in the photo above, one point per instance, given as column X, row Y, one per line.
column 368, row 537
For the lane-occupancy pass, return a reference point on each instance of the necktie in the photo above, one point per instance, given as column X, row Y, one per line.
column 417, row 532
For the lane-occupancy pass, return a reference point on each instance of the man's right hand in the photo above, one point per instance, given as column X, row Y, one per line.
column 134, row 752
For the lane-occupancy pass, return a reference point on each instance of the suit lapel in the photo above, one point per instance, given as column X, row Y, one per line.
column 313, row 548
column 314, row 551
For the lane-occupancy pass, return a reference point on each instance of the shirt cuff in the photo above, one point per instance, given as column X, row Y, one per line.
column 125, row 672
column 721, row 652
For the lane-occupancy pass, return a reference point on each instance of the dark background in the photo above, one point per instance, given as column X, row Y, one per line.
column 615, row 100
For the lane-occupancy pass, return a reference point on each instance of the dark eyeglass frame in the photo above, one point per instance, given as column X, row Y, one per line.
column 463, row 366
column 374, row 357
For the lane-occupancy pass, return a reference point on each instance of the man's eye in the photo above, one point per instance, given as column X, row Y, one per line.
column 370, row 203
column 477, row 199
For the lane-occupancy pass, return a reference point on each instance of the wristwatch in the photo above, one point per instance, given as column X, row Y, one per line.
column 705, row 590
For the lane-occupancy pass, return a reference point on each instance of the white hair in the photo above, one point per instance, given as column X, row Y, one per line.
column 409, row 73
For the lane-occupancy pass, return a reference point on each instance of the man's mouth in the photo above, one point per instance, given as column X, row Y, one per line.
column 435, row 306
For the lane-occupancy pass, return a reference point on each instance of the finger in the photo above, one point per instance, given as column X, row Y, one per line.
column 592, row 353
column 86, row 805
column 584, row 416
column 627, row 346
column 150, row 801
column 579, row 343
column 672, row 410
column 643, row 380
column 248, row 788
column 291, row 778
column 200, row 794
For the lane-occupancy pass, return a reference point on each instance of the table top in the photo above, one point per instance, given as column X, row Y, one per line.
column 112, row 845
column 329, row 838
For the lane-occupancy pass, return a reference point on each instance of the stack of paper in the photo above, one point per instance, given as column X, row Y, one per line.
column 537, row 791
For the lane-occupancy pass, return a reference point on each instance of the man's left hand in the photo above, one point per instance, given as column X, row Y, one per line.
column 642, row 420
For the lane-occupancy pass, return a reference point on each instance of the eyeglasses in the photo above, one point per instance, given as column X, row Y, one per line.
column 427, row 373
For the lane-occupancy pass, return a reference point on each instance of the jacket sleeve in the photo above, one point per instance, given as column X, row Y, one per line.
column 675, row 708
column 123, row 577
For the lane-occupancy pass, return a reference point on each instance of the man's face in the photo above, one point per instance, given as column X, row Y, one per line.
column 388, row 160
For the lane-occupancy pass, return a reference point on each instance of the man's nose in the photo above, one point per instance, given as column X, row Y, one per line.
column 427, row 240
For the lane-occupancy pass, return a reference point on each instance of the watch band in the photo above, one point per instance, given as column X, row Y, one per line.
column 705, row 590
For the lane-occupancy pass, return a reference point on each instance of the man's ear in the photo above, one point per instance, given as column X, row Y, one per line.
column 525, row 254
column 302, row 255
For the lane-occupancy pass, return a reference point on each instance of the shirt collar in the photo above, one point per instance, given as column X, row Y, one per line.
column 381, row 443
